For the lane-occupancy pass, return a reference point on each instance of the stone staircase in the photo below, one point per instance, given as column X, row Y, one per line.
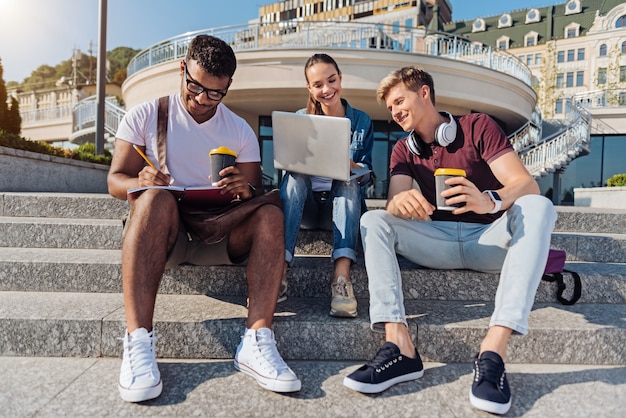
column 60, row 294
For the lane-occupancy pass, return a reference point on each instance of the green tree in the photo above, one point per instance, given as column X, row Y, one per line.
column 3, row 98
column 44, row 77
column 85, row 71
column 118, row 61
column 13, row 119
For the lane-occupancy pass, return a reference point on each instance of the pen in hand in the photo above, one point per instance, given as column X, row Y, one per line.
column 143, row 156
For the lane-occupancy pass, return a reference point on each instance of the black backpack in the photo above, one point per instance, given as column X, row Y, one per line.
column 555, row 268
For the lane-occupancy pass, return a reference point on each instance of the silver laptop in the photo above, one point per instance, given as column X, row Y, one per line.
column 313, row 144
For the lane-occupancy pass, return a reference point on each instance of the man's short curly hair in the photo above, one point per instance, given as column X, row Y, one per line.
column 213, row 55
column 412, row 77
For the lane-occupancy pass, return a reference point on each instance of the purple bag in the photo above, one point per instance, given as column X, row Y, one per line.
column 555, row 267
column 556, row 262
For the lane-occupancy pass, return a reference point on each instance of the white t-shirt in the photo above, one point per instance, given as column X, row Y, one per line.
column 188, row 142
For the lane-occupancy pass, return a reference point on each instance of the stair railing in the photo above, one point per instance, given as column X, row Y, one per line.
column 84, row 114
column 557, row 150
column 528, row 135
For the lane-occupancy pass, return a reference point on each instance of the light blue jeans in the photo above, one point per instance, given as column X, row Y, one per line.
column 338, row 210
column 515, row 245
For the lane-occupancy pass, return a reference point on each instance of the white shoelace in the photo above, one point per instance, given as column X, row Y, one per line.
column 269, row 352
column 141, row 354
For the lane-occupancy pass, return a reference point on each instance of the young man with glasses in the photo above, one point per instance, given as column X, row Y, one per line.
column 155, row 239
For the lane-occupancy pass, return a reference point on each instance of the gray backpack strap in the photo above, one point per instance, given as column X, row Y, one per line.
column 162, row 132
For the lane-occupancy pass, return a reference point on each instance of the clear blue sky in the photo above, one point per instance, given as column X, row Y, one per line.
column 36, row 32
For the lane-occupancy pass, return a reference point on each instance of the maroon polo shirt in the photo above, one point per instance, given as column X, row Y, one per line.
column 479, row 141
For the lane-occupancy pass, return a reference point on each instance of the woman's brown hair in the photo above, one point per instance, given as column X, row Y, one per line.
column 314, row 107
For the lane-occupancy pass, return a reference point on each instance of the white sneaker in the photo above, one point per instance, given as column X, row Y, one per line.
column 140, row 378
column 257, row 356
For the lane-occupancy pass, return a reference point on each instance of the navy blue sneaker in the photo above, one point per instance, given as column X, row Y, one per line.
column 386, row 369
column 490, row 389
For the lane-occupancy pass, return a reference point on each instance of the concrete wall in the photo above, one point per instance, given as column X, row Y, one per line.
column 601, row 197
column 25, row 171
column 48, row 130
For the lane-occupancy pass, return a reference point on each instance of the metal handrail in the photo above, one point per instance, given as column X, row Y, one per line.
column 556, row 151
column 84, row 114
column 346, row 35
column 528, row 135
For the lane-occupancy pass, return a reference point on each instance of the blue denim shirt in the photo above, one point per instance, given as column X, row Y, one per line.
column 362, row 131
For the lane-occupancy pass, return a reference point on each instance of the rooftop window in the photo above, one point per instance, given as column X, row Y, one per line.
column 505, row 21
column 478, row 25
column 572, row 7
column 530, row 39
column 533, row 16
column 572, row 30
column 503, row 42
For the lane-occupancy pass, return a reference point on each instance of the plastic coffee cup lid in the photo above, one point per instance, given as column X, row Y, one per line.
column 223, row 150
column 456, row 172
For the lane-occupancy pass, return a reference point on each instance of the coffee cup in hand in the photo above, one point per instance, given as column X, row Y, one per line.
column 441, row 175
column 221, row 158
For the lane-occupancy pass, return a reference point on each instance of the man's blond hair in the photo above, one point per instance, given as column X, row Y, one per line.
column 412, row 77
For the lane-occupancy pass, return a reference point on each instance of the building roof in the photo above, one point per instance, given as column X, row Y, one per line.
column 551, row 26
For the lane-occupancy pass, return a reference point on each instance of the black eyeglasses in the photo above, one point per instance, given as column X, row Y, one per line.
column 197, row 88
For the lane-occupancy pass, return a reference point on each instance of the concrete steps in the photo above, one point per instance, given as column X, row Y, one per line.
column 60, row 294
column 196, row 326
column 88, row 270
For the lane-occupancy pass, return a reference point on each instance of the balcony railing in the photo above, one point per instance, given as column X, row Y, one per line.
column 46, row 114
column 350, row 35
column 601, row 98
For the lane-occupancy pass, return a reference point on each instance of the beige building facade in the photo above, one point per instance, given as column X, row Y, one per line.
column 576, row 51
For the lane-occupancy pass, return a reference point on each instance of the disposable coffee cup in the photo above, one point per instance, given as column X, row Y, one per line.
column 221, row 158
column 441, row 175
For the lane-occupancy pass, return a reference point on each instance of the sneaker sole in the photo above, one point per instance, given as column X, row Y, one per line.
column 343, row 314
column 379, row 387
column 140, row 395
column 489, row 406
column 269, row 384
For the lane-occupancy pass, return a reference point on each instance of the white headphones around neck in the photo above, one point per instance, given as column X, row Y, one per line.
column 444, row 135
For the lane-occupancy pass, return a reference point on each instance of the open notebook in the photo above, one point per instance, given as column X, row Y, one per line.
column 313, row 144
column 200, row 195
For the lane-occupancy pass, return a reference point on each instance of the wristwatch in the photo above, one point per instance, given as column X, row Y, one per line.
column 495, row 198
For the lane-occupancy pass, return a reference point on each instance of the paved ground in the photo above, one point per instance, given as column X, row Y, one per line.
column 81, row 387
